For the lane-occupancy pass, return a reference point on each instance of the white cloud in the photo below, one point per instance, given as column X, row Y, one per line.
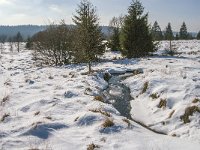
column 55, row 8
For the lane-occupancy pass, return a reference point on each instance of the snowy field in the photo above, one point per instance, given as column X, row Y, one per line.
column 58, row 108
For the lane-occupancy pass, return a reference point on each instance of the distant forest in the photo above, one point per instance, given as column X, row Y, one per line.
column 29, row 30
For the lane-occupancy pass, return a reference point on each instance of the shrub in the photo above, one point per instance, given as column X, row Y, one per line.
column 189, row 112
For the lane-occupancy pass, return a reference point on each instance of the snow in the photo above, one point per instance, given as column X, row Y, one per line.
column 53, row 107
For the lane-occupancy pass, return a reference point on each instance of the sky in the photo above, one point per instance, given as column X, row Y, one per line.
column 20, row 12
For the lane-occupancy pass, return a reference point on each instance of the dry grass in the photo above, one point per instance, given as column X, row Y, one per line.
column 36, row 113
column 127, row 121
column 163, row 103
column 99, row 98
column 92, row 146
column 100, row 111
column 108, row 123
column 196, row 100
column 171, row 114
column 154, row 95
column 4, row 117
column 145, row 87
column 189, row 112
column 5, row 99
column 7, row 82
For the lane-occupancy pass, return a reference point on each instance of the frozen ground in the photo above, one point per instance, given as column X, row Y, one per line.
column 54, row 107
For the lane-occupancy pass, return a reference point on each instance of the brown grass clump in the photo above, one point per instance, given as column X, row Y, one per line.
column 5, row 99
column 92, row 146
column 108, row 123
column 100, row 111
column 189, row 112
column 196, row 100
column 4, row 117
column 99, row 98
column 145, row 87
column 36, row 113
column 162, row 104
column 170, row 115
column 154, row 95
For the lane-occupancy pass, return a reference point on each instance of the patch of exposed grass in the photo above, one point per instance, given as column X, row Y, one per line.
column 171, row 113
column 100, row 111
column 163, row 103
column 4, row 117
column 196, row 100
column 154, row 95
column 127, row 121
column 92, row 146
column 189, row 111
column 99, row 98
column 36, row 113
column 7, row 82
column 145, row 87
column 108, row 123
column 5, row 99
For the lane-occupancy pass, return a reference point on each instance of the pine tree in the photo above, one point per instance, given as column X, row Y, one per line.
column 18, row 39
column 156, row 32
column 136, row 39
column 169, row 35
column 198, row 36
column 183, row 32
column 88, row 45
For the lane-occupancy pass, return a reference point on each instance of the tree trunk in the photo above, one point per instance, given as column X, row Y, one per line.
column 90, row 67
column 170, row 45
column 18, row 46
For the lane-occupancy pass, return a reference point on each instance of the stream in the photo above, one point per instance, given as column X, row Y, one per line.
column 118, row 94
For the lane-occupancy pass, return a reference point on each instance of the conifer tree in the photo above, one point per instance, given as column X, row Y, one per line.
column 156, row 32
column 169, row 35
column 183, row 32
column 136, row 39
column 198, row 36
column 88, row 45
column 18, row 39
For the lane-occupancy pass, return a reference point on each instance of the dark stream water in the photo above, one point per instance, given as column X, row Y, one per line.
column 118, row 94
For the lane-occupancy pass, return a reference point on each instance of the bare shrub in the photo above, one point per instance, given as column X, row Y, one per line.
column 108, row 123
column 189, row 112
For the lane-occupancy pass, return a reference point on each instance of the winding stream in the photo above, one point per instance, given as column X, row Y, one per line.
column 118, row 94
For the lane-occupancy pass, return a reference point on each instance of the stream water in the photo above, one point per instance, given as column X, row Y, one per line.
column 118, row 94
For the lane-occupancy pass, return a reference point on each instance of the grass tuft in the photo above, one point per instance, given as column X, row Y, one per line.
column 189, row 112
column 154, row 96
column 163, row 103
column 196, row 100
column 92, row 146
column 145, row 87
column 99, row 98
column 108, row 123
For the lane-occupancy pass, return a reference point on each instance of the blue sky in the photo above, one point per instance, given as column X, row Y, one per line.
column 14, row 12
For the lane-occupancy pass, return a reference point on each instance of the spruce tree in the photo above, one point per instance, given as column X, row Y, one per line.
column 88, row 45
column 18, row 39
column 183, row 32
column 198, row 36
column 136, row 38
column 156, row 32
column 169, row 35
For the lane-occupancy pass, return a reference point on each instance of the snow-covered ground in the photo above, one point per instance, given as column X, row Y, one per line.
column 55, row 107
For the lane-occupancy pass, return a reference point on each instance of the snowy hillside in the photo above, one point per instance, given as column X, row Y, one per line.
column 64, row 108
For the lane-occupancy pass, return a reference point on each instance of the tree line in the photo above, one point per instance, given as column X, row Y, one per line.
column 84, row 42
